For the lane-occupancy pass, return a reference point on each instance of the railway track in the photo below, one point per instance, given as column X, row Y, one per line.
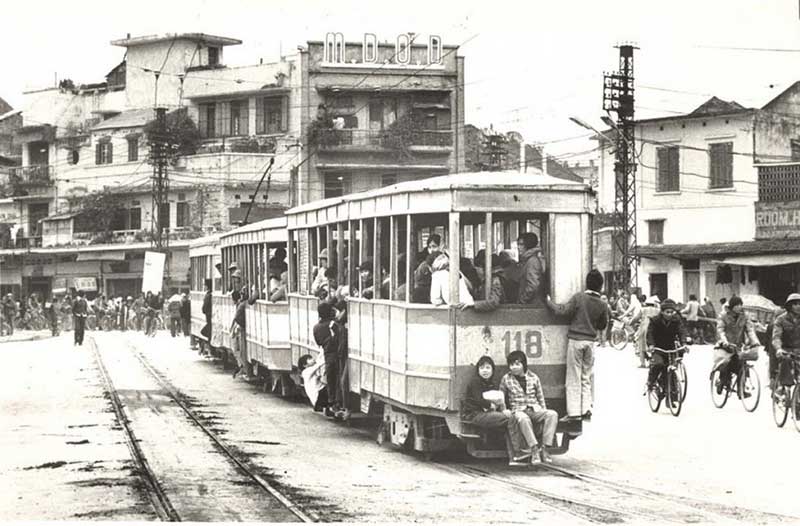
column 163, row 484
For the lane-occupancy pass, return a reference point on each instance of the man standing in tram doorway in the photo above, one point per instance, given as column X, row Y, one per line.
column 589, row 315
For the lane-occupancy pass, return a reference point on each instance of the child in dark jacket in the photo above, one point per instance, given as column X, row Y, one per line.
column 332, row 337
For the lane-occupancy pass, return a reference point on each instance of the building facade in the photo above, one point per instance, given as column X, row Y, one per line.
column 697, row 191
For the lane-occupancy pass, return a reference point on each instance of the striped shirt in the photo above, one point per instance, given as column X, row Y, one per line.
column 519, row 399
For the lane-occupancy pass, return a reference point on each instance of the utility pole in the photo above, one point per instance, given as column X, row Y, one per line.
column 618, row 97
column 495, row 148
column 159, row 157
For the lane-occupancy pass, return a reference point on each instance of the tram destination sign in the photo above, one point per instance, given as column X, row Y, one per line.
column 777, row 220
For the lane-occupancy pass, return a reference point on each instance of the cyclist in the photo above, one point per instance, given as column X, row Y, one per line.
column 734, row 329
column 786, row 340
column 665, row 331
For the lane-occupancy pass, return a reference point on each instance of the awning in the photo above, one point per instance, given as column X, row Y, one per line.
column 117, row 255
column 766, row 260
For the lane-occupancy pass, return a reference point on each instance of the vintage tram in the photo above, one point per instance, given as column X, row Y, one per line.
column 410, row 362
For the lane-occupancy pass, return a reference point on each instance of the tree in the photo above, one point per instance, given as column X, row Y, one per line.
column 181, row 134
column 98, row 211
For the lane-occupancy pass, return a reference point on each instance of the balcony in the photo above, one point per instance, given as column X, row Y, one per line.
column 352, row 139
column 32, row 176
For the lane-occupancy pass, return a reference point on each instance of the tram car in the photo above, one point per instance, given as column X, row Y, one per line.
column 410, row 362
column 204, row 258
column 252, row 257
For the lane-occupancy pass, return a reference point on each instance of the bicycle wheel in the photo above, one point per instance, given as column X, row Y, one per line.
column 749, row 384
column 795, row 405
column 719, row 399
column 619, row 338
column 91, row 322
column 780, row 405
column 684, row 380
column 674, row 392
column 654, row 398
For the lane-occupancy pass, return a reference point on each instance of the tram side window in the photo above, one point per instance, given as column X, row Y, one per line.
column 428, row 240
column 277, row 273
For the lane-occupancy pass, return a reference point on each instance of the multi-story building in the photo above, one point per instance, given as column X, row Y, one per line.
column 376, row 113
column 334, row 117
column 697, row 188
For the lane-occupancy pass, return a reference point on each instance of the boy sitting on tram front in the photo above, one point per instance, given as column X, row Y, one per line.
column 527, row 408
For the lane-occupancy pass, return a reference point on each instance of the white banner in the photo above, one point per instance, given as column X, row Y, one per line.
column 153, row 277
column 85, row 284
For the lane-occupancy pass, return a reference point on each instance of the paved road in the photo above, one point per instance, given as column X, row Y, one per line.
column 729, row 465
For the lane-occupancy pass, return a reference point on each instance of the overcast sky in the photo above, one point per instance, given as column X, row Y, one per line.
column 530, row 65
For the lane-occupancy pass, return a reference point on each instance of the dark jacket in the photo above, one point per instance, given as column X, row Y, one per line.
column 589, row 314
column 207, row 306
column 9, row 307
column 498, row 293
column 186, row 308
column 421, row 293
column 79, row 307
column 662, row 333
column 474, row 402
column 531, row 269
column 786, row 334
column 329, row 335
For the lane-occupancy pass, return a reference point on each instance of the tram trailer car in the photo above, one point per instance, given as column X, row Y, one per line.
column 267, row 323
column 411, row 362
column 204, row 255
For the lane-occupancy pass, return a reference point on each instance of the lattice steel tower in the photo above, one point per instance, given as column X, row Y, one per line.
column 618, row 97
column 159, row 153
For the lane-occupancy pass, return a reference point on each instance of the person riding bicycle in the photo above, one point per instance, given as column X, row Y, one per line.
column 665, row 331
column 786, row 340
column 734, row 329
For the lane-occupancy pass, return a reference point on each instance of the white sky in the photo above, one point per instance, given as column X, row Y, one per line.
column 530, row 66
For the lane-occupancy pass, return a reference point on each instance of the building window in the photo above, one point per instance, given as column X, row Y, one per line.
column 721, row 165
column 668, row 172
column 182, row 214
column 133, row 149
column 376, row 115
column 238, row 117
column 163, row 215
column 213, row 56
column 337, row 184
column 795, row 144
column 104, row 152
column 207, row 120
column 655, row 232
column 402, row 49
column 370, row 47
column 434, row 50
column 388, row 179
column 135, row 217
column 270, row 115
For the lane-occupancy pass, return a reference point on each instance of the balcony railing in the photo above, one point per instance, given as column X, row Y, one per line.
column 779, row 182
column 37, row 175
column 330, row 138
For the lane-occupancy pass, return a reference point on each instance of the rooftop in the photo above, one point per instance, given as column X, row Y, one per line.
column 194, row 37
column 127, row 119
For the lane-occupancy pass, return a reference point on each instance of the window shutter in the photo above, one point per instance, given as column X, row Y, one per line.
column 98, row 153
column 284, row 114
column 674, row 167
column 259, row 115
column 202, row 120
column 110, row 158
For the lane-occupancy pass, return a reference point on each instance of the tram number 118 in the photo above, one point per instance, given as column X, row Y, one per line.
column 530, row 342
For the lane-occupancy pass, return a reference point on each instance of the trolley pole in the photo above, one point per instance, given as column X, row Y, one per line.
column 618, row 97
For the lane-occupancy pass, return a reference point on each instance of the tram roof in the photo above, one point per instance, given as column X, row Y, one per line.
column 474, row 181
column 204, row 246
column 267, row 231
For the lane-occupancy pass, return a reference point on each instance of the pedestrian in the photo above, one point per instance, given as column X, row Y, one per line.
column 330, row 336
column 50, row 315
column 207, row 311
column 691, row 312
column 238, row 339
column 186, row 314
column 589, row 314
column 174, row 308
column 9, row 312
column 531, row 269
column 527, row 408
column 80, row 310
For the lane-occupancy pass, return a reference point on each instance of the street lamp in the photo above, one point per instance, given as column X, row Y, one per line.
column 584, row 124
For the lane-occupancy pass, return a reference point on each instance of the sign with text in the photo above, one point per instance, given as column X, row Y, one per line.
column 153, row 278
column 85, row 284
column 777, row 220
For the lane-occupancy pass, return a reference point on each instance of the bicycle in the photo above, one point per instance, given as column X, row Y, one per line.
column 91, row 322
column 677, row 382
column 747, row 383
column 788, row 398
column 621, row 334
column 156, row 324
